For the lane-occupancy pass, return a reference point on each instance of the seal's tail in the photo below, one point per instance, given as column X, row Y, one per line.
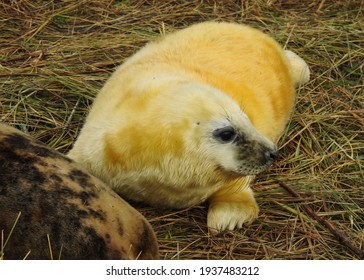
column 298, row 67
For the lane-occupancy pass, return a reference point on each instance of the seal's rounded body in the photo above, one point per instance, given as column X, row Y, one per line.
column 51, row 208
column 190, row 117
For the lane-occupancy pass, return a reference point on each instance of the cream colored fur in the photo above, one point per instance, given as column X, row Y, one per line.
column 157, row 130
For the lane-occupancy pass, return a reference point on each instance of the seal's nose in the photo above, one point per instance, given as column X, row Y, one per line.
column 271, row 156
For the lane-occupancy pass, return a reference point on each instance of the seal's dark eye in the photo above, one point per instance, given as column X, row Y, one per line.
column 225, row 134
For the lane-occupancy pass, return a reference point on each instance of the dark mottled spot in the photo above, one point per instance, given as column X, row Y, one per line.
column 145, row 239
column 82, row 213
column 98, row 214
column 85, row 197
column 91, row 213
column 15, row 168
column 107, row 238
column 65, row 192
column 56, row 179
column 97, row 242
column 120, row 228
column 24, row 143
column 18, row 141
column 80, row 177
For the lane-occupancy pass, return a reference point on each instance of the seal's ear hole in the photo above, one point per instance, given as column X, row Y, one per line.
column 225, row 135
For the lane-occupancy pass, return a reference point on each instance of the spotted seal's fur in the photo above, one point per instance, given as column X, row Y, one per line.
column 64, row 212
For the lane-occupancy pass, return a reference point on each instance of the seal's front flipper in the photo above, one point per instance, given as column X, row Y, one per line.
column 232, row 206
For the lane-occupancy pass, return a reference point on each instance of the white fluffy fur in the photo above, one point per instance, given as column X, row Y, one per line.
column 154, row 132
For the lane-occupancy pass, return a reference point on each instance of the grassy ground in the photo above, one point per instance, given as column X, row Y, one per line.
column 56, row 55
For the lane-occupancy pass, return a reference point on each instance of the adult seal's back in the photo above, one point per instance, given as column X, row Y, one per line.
column 193, row 116
column 51, row 208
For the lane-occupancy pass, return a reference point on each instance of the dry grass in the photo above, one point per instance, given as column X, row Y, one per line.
column 56, row 55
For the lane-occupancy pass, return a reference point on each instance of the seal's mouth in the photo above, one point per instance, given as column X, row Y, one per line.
column 251, row 170
column 257, row 162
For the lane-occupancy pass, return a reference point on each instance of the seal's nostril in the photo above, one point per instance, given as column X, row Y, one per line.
column 271, row 155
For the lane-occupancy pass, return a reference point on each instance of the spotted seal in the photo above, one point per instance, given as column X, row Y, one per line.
column 51, row 208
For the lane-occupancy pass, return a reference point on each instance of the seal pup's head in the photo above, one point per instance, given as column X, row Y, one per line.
column 188, row 123
column 224, row 133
